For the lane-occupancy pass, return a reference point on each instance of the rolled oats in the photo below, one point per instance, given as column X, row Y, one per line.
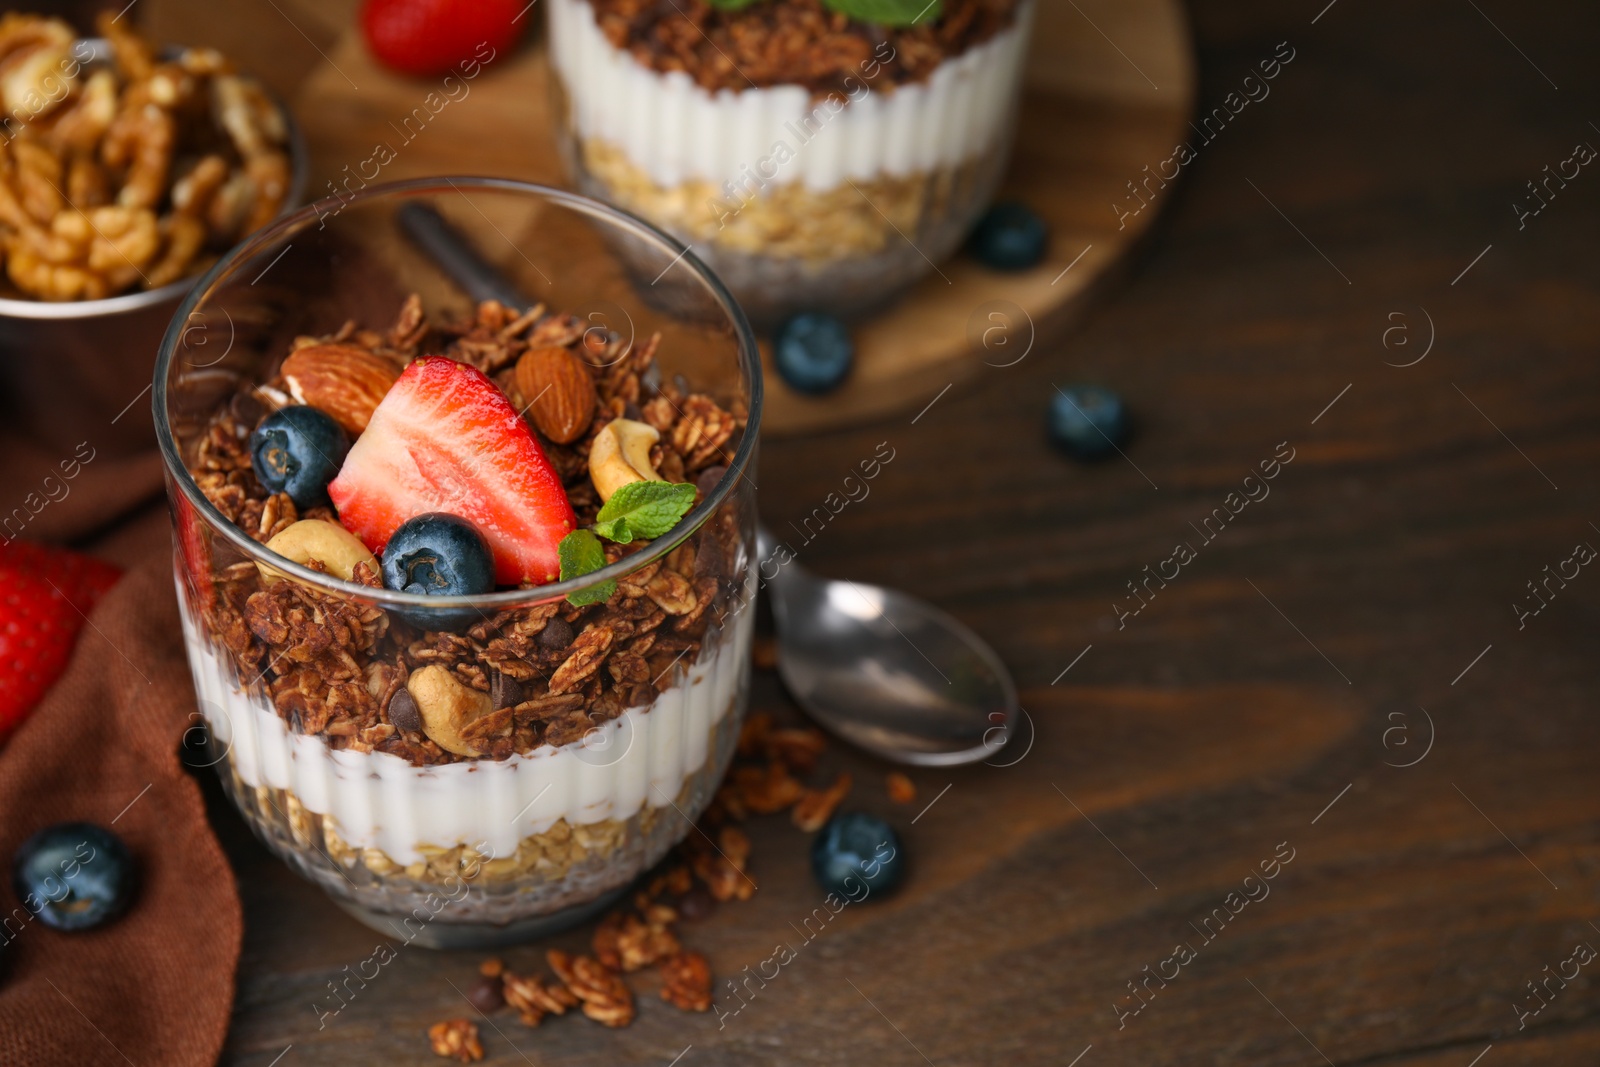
column 787, row 221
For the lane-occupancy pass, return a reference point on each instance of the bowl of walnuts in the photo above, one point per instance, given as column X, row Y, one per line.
column 126, row 171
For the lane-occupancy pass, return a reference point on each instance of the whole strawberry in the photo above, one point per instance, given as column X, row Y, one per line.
column 45, row 596
column 431, row 37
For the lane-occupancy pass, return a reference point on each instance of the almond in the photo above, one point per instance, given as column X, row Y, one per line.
column 558, row 391
column 345, row 381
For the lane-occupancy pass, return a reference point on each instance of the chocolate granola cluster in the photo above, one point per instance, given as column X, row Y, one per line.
column 337, row 668
column 793, row 42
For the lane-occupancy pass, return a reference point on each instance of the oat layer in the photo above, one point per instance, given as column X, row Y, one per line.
column 566, row 865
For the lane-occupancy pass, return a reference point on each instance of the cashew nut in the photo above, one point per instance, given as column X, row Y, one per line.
column 621, row 454
column 328, row 543
column 447, row 707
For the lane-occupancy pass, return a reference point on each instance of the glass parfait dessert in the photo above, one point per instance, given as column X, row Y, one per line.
column 819, row 154
column 463, row 586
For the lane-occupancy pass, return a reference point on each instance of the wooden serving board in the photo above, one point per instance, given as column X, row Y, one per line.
column 1111, row 87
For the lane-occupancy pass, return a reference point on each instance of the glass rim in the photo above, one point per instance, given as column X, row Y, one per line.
column 179, row 475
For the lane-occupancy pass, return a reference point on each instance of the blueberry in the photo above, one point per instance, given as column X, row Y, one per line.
column 438, row 555
column 298, row 451
column 1010, row 236
column 813, row 352
column 73, row 876
column 1088, row 422
column 857, row 855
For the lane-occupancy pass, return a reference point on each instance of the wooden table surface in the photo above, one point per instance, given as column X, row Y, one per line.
column 1265, row 701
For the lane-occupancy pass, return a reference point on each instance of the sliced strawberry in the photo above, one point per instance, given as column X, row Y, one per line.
column 194, row 551
column 445, row 439
column 45, row 595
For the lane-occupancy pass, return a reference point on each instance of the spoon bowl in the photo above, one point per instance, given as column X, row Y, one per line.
column 888, row 672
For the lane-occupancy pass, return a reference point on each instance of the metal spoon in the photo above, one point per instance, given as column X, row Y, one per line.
column 883, row 670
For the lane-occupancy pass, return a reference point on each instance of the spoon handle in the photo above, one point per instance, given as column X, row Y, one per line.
column 454, row 254
column 766, row 546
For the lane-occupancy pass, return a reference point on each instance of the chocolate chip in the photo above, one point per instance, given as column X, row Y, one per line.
column 487, row 995
column 707, row 479
column 403, row 711
column 556, row 635
column 631, row 411
column 504, row 690
column 697, row 903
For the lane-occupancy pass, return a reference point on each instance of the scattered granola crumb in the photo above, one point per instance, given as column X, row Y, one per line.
column 679, row 880
column 722, row 866
column 456, row 1039
column 901, row 789
column 686, row 982
column 765, row 791
column 534, row 998
column 710, row 866
column 815, row 808
column 753, row 734
column 798, row 749
column 605, row 998
column 628, row 943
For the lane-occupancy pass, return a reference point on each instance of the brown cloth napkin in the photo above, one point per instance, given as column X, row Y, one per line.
column 156, row 986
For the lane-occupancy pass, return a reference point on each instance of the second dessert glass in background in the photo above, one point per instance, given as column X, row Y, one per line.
column 458, row 850
column 832, row 178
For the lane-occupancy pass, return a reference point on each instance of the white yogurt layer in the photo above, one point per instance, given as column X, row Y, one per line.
column 378, row 800
column 675, row 131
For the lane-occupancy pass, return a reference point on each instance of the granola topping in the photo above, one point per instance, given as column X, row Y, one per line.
column 783, row 42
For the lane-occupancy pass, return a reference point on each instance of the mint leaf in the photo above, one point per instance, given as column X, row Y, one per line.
column 889, row 12
column 644, row 509
column 732, row 5
column 581, row 553
column 615, row 530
